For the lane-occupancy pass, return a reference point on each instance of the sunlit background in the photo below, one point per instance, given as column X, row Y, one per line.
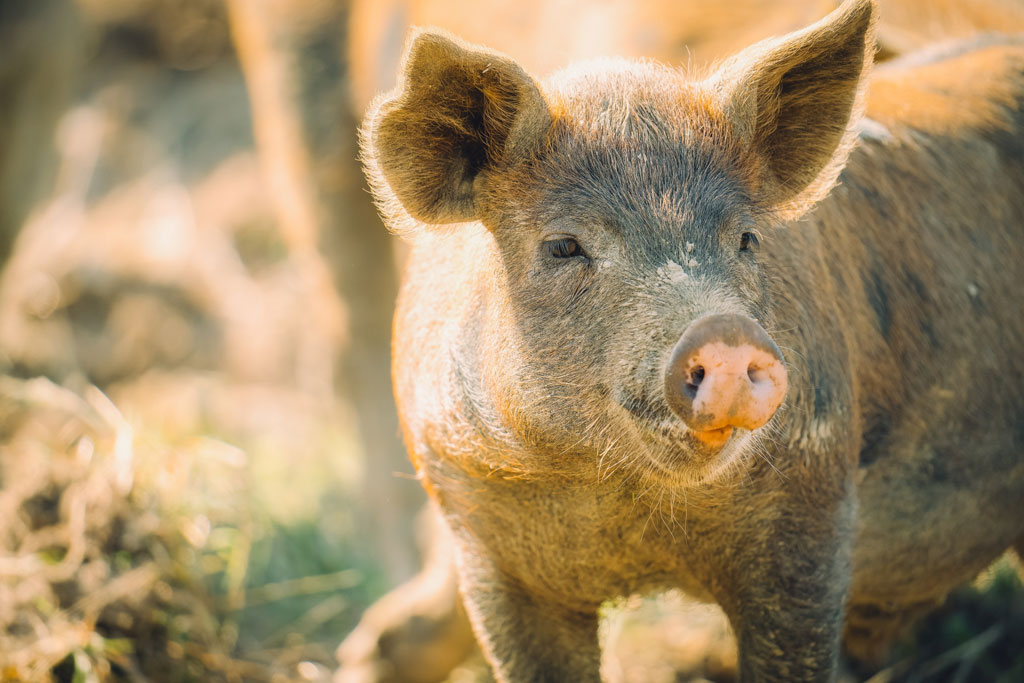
column 201, row 476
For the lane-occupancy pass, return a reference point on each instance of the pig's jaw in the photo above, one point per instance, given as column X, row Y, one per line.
column 680, row 458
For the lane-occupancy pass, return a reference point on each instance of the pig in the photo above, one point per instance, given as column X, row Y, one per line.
column 649, row 337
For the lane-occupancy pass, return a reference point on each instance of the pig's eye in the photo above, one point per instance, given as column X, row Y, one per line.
column 748, row 242
column 564, row 247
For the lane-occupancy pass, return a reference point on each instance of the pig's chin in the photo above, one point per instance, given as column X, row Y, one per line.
column 684, row 458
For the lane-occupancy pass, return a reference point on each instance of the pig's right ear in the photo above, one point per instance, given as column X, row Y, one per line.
column 457, row 113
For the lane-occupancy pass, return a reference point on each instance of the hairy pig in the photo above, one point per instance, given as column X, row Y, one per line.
column 726, row 334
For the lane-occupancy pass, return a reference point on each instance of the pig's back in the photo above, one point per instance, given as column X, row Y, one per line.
column 928, row 235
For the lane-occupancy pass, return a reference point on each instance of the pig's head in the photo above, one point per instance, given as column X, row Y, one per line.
column 622, row 207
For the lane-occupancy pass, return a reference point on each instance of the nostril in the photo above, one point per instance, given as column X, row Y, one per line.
column 694, row 380
column 757, row 374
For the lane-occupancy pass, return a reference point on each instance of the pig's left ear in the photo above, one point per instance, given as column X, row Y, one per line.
column 457, row 113
column 795, row 102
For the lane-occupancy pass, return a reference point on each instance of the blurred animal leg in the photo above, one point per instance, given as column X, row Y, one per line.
column 418, row 632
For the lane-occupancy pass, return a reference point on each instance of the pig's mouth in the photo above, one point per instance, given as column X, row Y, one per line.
column 713, row 438
column 702, row 447
column 682, row 455
column 654, row 417
column 686, row 458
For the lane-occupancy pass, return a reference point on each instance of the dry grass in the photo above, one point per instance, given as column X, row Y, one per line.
column 129, row 562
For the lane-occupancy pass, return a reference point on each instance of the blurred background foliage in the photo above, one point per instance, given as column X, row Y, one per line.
column 201, row 477
column 186, row 411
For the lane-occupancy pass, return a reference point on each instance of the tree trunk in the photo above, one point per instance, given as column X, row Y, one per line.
column 291, row 53
column 40, row 51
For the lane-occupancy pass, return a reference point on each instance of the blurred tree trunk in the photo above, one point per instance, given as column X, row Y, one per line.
column 291, row 52
column 40, row 51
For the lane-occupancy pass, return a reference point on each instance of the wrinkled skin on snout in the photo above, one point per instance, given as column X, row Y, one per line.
column 627, row 357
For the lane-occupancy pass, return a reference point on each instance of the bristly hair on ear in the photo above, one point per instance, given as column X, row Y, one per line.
column 458, row 111
column 796, row 102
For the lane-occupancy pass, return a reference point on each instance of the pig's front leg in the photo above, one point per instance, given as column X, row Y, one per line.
column 779, row 644
column 788, row 614
column 526, row 638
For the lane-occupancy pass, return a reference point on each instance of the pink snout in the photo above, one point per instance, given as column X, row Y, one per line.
column 725, row 372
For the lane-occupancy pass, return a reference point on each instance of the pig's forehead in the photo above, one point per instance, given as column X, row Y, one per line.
column 639, row 137
column 618, row 98
column 655, row 202
column 634, row 147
